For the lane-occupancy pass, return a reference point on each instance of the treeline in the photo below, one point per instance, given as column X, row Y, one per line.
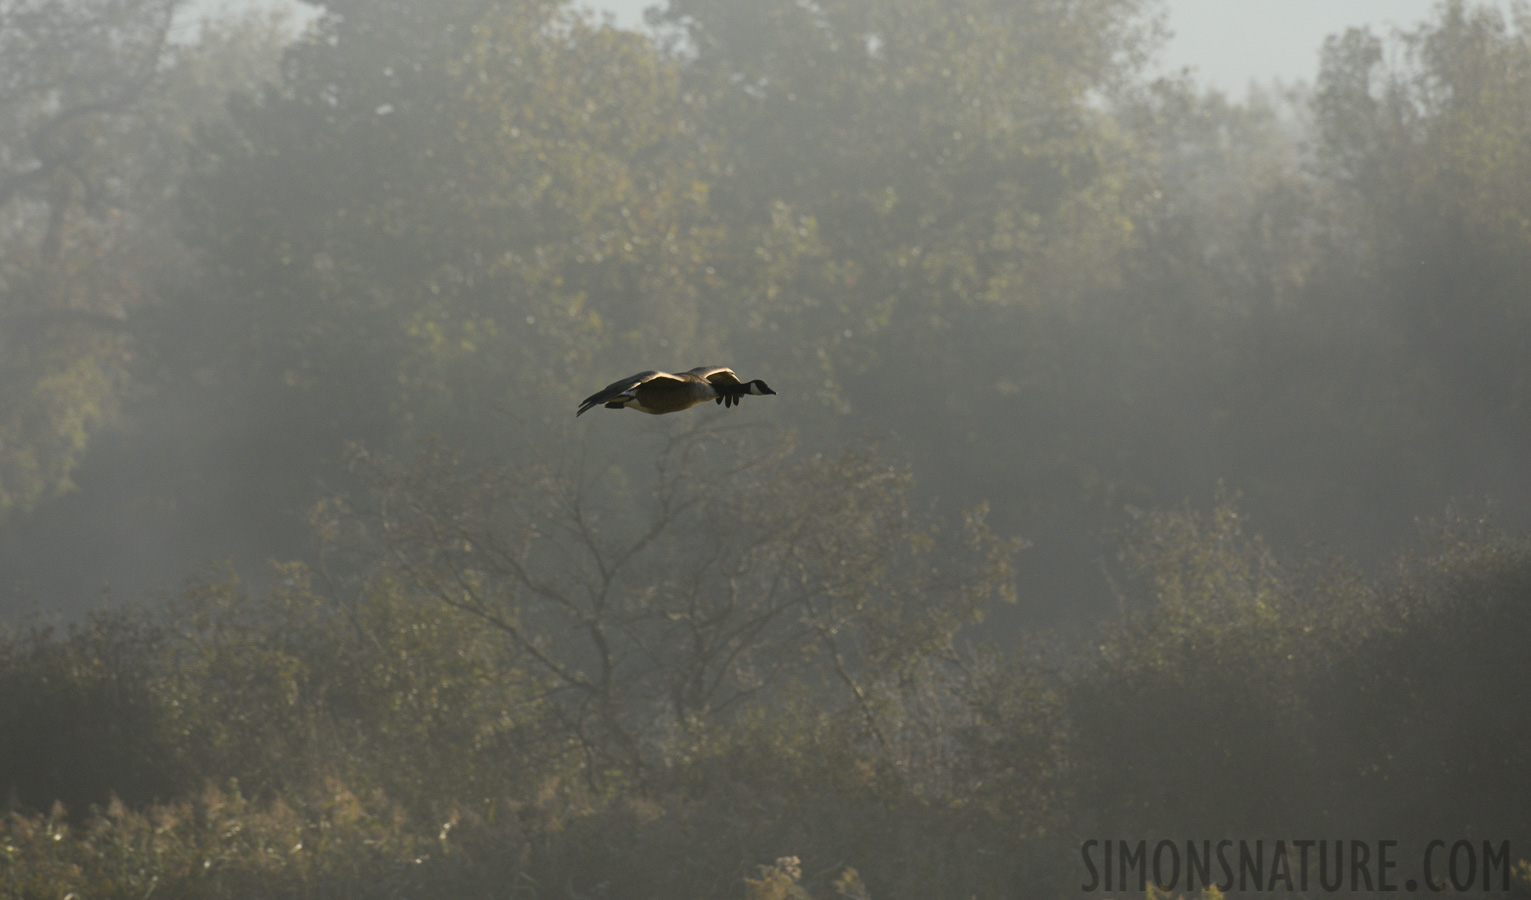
column 332, row 296
column 974, row 232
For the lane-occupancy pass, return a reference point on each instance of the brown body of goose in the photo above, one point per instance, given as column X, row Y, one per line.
column 658, row 393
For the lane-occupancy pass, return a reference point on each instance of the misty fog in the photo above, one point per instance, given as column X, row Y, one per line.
column 1145, row 462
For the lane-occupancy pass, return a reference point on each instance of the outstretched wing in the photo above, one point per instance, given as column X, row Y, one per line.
column 621, row 389
column 715, row 374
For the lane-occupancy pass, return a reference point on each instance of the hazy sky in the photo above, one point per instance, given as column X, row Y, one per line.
column 1229, row 42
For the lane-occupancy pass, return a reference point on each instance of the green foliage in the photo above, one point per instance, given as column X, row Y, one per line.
column 95, row 112
column 1440, row 677
column 57, row 393
column 1430, row 155
column 290, row 689
column 81, row 716
column 942, row 155
column 1260, row 698
column 446, row 197
column 70, row 72
column 1200, row 698
column 460, row 209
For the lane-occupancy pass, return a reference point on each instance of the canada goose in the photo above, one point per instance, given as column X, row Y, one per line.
column 657, row 393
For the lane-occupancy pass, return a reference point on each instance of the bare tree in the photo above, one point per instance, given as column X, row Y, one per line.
column 651, row 608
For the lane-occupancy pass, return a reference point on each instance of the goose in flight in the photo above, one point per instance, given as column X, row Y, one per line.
column 657, row 393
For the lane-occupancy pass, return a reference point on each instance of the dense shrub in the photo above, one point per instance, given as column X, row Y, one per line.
column 380, row 742
column 80, row 718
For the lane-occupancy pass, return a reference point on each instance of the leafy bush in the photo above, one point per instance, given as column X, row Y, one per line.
column 80, row 716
